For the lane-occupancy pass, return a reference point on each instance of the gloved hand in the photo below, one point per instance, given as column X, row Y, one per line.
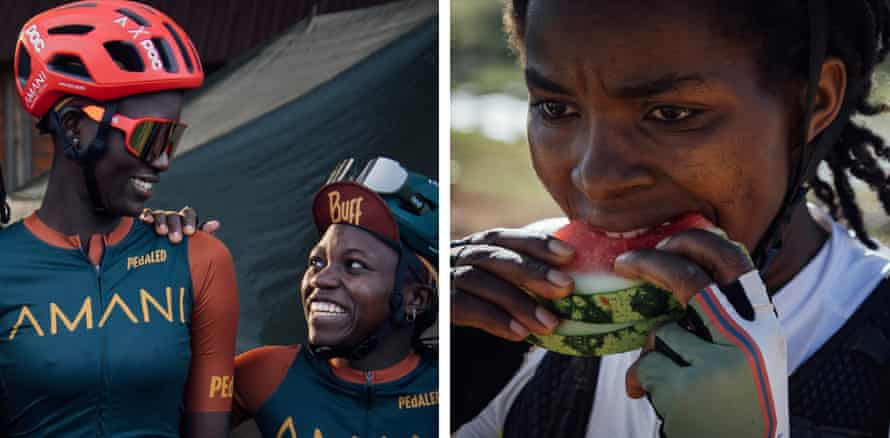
column 722, row 371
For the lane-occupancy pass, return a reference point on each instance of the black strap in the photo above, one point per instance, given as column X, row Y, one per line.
column 811, row 152
column 558, row 399
column 5, row 213
column 94, row 152
column 843, row 390
column 88, row 156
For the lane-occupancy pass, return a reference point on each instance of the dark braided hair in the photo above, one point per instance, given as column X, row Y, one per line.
column 859, row 35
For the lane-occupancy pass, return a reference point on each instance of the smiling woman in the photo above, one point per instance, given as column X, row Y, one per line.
column 84, row 261
column 641, row 112
column 368, row 293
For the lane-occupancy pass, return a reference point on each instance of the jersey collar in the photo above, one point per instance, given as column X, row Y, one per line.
column 341, row 369
column 43, row 232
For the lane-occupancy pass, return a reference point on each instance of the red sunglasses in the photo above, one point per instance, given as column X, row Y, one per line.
column 146, row 137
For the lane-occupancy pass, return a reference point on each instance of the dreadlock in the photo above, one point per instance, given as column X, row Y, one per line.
column 859, row 35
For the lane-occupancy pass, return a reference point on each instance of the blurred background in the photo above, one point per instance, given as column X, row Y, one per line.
column 293, row 87
column 494, row 185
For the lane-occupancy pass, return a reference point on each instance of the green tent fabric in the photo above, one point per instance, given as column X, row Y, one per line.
column 258, row 179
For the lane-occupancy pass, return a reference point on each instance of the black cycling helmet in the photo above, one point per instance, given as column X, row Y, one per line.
column 413, row 200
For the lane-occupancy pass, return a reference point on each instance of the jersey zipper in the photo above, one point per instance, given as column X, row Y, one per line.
column 369, row 399
column 97, row 269
column 102, row 358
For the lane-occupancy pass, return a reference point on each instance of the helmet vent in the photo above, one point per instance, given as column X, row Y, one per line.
column 134, row 16
column 24, row 65
column 71, row 29
column 70, row 65
column 125, row 55
column 166, row 55
column 182, row 49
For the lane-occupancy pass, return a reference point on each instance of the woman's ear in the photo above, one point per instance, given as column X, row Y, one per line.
column 418, row 297
column 71, row 121
column 829, row 96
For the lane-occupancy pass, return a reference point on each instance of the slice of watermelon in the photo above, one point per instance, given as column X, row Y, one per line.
column 600, row 296
column 606, row 313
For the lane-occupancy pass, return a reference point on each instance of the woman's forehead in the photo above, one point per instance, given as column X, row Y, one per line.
column 614, row 46
column 621, row 25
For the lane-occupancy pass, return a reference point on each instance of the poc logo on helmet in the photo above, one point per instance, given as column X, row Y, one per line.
column 34, row 37
column 153, row 54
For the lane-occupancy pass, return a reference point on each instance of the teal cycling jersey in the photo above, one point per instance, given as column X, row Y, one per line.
column 293, row 394
column 110, row 342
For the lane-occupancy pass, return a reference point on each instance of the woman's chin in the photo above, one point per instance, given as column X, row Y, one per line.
column 326, row 338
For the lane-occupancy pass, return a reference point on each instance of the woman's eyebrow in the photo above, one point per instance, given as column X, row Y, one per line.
column 535, row 79
column 358, row 251
column 659, row 85
column 634, row 90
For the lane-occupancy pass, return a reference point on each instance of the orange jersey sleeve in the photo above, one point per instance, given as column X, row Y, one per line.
column 214, row 325
column 258, row 373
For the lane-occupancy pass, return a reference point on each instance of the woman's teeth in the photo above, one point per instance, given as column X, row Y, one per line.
column 632, row 233
column 326, row 307
column 142, row 185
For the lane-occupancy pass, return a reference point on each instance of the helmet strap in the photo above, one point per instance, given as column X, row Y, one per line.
column 87, row 156
column 811, row 152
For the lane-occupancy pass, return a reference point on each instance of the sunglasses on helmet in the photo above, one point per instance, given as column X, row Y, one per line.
column 382, row 175
column 146, row 137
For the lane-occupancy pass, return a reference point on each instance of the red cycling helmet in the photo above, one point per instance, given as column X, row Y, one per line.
column 102, row 50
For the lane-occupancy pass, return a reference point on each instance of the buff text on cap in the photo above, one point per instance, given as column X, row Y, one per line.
column 354, row 204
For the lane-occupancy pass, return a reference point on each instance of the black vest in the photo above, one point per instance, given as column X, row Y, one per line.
column 842, row 391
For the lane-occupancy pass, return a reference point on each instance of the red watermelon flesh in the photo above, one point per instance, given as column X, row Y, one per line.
column 595, row 252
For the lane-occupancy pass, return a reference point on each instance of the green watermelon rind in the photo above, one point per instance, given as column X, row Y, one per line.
column 637, row 303
column 602, row 344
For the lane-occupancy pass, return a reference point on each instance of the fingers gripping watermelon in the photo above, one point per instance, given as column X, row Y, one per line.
column 608, row 314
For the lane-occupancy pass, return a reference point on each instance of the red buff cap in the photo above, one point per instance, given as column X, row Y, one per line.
column 352, row 203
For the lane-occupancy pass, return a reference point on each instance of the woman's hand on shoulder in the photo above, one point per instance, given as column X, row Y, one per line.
column 176, row 224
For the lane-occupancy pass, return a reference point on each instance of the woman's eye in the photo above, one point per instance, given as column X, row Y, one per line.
column 671, row 113
column 356, row 265
column 552, row 110
column 316, row 262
